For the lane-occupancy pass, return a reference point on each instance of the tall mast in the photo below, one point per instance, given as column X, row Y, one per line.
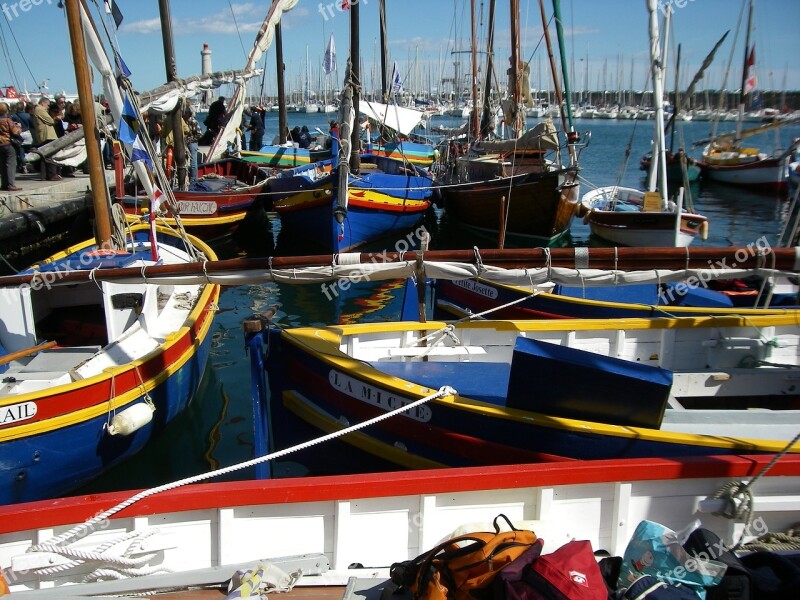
column 355, row 77
column 658, row 175
column 91, row 133
column 474, row 114
column 554, row 73
column 564, row 70
column 384, row 53
column 487, row 96
column 742, row 92
column 517, row 120
column 283, row 124
column 179, row 148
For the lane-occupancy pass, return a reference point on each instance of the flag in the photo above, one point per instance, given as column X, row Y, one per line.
column 157, row 201
column 329, row 62
column 345, row 4
column 113, row 10
column 750, row 81
column 122, row 68
column 129, row 123
column 139, row 152
column 11, row 92
column 397, row 82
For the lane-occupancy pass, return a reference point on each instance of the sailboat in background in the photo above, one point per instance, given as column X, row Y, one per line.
column 725, row 159
column 634, row 217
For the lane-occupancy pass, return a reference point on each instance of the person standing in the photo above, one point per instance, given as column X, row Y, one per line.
column 44, row 132
column 215, row 118
column 256, row 129
column 8, row 156
column 192, row 139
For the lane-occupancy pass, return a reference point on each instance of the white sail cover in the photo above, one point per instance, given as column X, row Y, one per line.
column 543, row 136
column 402, row 120
column 236, row 104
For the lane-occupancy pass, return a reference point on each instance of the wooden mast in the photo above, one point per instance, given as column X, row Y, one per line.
column 487, row 96
column 474, row 115
column 355, row 79
column 97, row 179
column 283, row 125
column 384, row 53
column 178, row 144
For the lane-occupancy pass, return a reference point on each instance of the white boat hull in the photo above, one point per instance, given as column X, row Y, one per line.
column 379, row 519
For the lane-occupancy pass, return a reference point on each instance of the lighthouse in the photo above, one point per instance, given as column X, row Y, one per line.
column 205, row 69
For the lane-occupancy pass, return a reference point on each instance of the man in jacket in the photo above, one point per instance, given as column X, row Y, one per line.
column 8, row 156
column 44, row 132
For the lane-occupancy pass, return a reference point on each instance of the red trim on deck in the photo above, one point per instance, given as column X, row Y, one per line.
column 52, row 513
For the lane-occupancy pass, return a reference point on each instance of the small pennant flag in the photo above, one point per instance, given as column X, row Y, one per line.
column 750, row 82
column 128, row 123
column 139, row 152
column 113, row 10
column 329, row 61
column 345, row 4
column 397, row 81
column 157, row 201
column 122, row 68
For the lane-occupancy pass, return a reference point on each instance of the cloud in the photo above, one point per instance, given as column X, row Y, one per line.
column 248, row 17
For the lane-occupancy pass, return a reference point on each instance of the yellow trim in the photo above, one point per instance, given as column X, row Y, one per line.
column 323, row 344
column 357, row 439
column 367, row 195
column 208, row 298
column 190, row 221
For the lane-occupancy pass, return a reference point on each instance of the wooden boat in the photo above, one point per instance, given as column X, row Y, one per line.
column 284, row 157
column 119, row 353
column 197, row 536
column 516, row 188
column 648, row 387
column 513, row 187
column 214, row 205
column 395, row 125
column 460, row 298
column 631, row 217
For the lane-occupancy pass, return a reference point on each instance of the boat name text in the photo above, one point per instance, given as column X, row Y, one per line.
column 375, row 396
column 477, row 287
column 17, row 412
column 196, row 207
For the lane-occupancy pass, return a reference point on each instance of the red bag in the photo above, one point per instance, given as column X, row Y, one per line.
column 569, row 573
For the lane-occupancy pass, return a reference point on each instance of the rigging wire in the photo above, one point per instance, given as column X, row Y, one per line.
column 21, row 53
column 238, row 33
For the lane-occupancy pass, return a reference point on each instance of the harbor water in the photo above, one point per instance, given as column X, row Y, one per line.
column 217, row 430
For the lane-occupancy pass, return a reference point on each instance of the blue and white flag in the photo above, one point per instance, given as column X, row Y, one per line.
column 129, row 123
column 329, row 61
column 139, row 152
column 397, row 81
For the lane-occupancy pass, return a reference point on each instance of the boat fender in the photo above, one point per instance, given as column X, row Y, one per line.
column 131, row 419
column 587, row 216
column 168, row 166
column 704, row 230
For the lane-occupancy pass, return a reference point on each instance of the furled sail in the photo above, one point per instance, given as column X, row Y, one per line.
column 236, row 104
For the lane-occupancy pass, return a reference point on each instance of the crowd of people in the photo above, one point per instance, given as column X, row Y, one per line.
column 25, row 125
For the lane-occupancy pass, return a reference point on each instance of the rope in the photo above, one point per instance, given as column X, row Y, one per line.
column 80, row 530
column 771, row 541
column 739, row 496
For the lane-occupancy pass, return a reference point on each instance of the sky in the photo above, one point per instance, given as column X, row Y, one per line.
column 608, row 36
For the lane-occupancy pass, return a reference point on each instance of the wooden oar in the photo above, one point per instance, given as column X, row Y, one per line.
column 4, row 360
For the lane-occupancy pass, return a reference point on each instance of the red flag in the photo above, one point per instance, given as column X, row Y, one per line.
column 345, row 4
column 750, row 81
column 11, row 92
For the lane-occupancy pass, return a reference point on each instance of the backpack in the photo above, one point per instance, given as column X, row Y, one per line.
column 463, row 568
column 569, row 573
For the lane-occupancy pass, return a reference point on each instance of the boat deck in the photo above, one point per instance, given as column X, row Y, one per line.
column 328, row 592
